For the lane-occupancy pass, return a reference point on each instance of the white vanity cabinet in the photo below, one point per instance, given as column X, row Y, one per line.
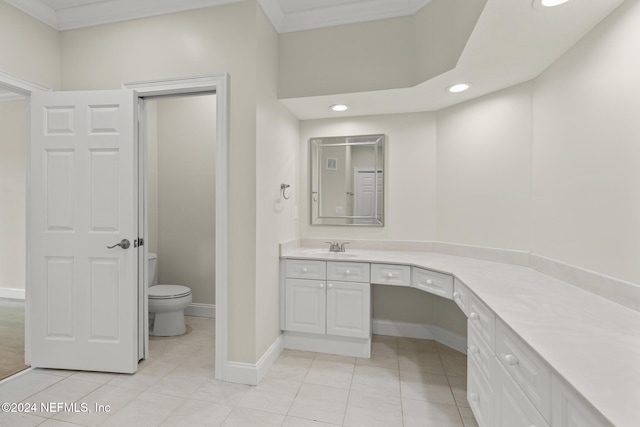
column 569, row 409
column 326, row 303
column 513, row 408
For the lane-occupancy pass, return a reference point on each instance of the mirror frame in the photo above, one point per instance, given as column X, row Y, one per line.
column 378, row 143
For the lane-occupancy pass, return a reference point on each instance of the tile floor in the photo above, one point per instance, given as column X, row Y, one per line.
column 407, row 382
column 11, row 337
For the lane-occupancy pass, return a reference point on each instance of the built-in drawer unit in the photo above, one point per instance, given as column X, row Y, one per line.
column 391, row 274
column 479, row 351
column 348, row 271
column 569, row 409
column 482, row 319
column 433, row 282
column 528, row 370
column 306, row 269
column 480, row 395
column 461, row 296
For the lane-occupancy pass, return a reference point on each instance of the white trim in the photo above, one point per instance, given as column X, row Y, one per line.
column 7, row 95
column 12, row 293
column 201, row 310
column 20, row 86
column 18, row 374
column 422, row 331
column 218, row 83
column 252, row 373
column 38, row 10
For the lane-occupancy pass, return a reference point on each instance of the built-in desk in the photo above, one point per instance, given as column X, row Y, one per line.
column 541, row 351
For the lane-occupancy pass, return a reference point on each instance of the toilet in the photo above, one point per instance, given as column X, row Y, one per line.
column 166, row 305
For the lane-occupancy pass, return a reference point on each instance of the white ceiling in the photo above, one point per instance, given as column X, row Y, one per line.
column 511, row 43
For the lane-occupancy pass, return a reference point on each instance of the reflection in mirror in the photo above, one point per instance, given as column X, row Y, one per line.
column 347, row 177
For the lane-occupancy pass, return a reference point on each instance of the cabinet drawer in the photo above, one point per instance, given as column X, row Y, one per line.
column 433, row 282
column 513, row 408
column 461, row 296
column 528, row 370
column 482, row 318
column 306, row 269
column 348, row 271
column 480, row 396
column 391, row 274
column 480, row 352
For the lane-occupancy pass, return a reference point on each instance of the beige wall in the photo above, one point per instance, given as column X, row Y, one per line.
column 182, row 210
column 586, row 175
column 29, row 49
column 277, row 152
column 484, row 171
column 385, row 54
column 12, row 194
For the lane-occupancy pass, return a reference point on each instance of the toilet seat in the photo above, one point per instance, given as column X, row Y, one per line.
column 168, row 291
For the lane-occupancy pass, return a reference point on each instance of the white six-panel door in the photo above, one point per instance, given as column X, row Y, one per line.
column 83, row 297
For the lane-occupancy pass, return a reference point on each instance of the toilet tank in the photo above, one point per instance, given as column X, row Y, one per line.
column 152, row 260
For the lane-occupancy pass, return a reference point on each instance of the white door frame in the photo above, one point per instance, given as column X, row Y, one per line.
column 218, row 83
column 24, row 88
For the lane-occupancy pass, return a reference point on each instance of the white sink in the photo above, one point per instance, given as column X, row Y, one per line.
column 325, row 253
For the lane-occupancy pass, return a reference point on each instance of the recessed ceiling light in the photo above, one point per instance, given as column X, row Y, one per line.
column 339, row 107
column 547, row 3
column 458, row 87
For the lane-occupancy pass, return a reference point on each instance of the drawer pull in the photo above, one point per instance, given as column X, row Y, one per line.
column 456, row 295
column 305, row 269
column 474, row 397
column 347, row 272
column 321, row 285
column 510, row 359
column 474, row 316
column 329, row 286
column 474, row 350
column 429, row 282
column 389, row 275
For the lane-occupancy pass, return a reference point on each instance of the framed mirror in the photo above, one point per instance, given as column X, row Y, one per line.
column 347, row 180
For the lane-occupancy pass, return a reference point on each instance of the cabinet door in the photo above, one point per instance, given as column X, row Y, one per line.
column 349, row 309
column 305, row 302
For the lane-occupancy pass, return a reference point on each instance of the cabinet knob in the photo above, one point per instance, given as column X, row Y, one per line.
column 329, row 286
column 305, row 269
column 321, row 285
column 474, row 316
column 389, row 275
column 456, row 295
column 474, row 397
column 347, row 272
column 429, row 282
column 510, row 359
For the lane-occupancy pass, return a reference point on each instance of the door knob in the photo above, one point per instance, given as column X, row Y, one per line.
column 124, row 244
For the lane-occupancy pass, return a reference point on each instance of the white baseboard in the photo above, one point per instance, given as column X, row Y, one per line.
column 200, row 310
column 252, row 373
column 422, row 331
column 12, row 293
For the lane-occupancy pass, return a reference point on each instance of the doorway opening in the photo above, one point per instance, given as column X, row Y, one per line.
column 180, row 164
column 13, row 231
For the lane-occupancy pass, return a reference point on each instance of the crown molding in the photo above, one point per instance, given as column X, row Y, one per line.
column 108, row 12
column 38, row 10
column 350, row 13
column 122, row 10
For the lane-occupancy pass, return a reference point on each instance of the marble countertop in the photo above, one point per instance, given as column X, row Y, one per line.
column 593, row 343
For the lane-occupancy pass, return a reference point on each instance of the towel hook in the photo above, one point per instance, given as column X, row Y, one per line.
column 283, row 188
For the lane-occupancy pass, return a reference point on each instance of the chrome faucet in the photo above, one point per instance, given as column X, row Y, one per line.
column 336, row 246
